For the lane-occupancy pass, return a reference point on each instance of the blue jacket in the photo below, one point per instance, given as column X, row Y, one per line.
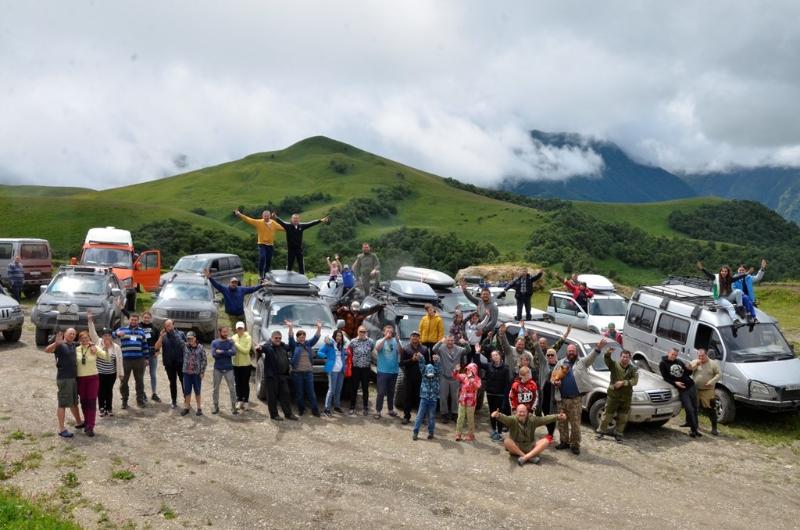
column 328, row 351
column 745, row 284
column 429, row 387
column 16, row 274
column 348, row 279
column 234, row 298
column 298, row 349
column 223, row 359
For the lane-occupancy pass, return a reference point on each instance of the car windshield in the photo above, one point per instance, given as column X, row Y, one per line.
column 301, row 314
column 185, row 291
column 609, row 307
column 599, row 363
column 452, row 301
column 508, row 299
column 110, row 257
column 764, row 343
column 77, row 285
column 189, row 264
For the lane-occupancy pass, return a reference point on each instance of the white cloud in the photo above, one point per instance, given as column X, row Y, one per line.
column 104, row 94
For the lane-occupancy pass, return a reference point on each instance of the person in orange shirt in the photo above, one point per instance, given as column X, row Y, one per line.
column 265, row 230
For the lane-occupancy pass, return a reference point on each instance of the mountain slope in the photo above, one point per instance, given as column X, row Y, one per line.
column 620, row 180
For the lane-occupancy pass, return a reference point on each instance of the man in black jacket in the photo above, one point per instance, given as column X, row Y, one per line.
column 676, row 373
column 523, row 290
column 294, row 240
column 276, row 376
column 172, row 342
column 410, row 357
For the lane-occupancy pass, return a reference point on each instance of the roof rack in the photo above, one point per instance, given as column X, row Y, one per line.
column 695, row 291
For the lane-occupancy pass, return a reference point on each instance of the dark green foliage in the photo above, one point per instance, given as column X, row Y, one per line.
column 341, row 231
column 339, row 166
column 288, row 205
column 199, row 211
column 546, row 205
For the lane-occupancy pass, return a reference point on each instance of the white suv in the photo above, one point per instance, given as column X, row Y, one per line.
column 605, row 307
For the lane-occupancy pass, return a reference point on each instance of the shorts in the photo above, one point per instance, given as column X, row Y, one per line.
column 67, row 393
column 705, row 397
column 191, row 381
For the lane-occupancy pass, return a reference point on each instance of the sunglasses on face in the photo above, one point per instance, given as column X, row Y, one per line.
column 550, row 355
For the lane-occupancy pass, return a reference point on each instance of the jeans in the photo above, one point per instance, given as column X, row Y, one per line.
column 304, row 389
column 265, row 253
column 133, row 365
column 105, row 396
column 689, row 402
column 219, row 375
column 278, row 391
column 152, row 365
column 360, row 377
column 242, row 376
column 88, row 386
column 386, row 385
column 426, row 407
column 448, row 388
column 334, row 395
column 412, row 383
column 16, row 291
column 295, row 254
column 524, row 300
column 727, row 302
column 174, row 374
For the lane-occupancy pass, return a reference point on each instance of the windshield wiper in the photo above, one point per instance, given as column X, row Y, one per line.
column 757, row 359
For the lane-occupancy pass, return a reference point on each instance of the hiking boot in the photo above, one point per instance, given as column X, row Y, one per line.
column 521, row 461
column 199, row 412
column 415, row 436
column 215, row 409
column 618, row 438
column 536, row 459
column 599, row 436
column 575, row 450
column 184, row 412
column 406, row 421
column 352, row 412
column 430, row 436
column 90, row 433
column 562, row 446
column 155, row 398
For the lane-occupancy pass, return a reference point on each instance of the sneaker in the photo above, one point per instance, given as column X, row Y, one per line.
column 215, row 410
column 174, row 405
column 141, row 404
column 405, row 421
column 327, row 413
column 576, row 450
column 339, row 410
column 199, row 412
column 184, row 412
column 65, row 434
column 352, row 412
column 714, row 431
column 415, row 436
column 430, row 436
column 293, row 418
column 81, row 425
column 155, row 398
column 562, row 446
column 521, row 461
column 393, row 414
column 599, row 436
column 377, row 416
column 536, row 460
column 458, row 436
column 90, row 433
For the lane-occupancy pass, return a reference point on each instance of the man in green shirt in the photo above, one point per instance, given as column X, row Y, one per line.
column 624, row 377
column 520, row 441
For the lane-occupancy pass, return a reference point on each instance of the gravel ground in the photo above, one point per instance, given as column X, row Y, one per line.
column 248, row 472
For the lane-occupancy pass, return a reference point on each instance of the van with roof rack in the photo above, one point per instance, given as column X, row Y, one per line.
column 759, row 368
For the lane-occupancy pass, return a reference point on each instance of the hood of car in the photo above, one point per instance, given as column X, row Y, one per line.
column 7, row 301
column 192, row 305
column 774, row 373
column 81, row 300
column 650, row 381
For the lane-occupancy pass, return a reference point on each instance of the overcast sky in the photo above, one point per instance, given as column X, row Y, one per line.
column 102, row 94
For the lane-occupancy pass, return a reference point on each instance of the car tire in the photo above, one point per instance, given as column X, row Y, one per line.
column 42, row 336
column 261, row 384
column 726, row 406
column 642, row 364
column 596, row 413
column 400, row 391
column 12, row 335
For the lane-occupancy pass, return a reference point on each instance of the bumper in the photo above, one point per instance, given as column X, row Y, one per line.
column 648, row 412
column 54, row 320
column 198, row 326
column 13, row 322
column 769, row 405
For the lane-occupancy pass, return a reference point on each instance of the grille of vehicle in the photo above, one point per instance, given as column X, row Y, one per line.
column 659, row 396
column 5, row 313
column 790, row 395
column 183, row 315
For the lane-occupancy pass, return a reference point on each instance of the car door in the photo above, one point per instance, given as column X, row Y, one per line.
column 567, row 312
column 147, row 270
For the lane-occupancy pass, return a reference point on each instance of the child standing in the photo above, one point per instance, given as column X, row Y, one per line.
column 335, row 268
column 470, row 382
column 428, row 396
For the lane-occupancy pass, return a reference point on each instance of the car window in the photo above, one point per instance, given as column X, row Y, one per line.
column 300, row 314
column 224, row 264
column 77, row 285
column 607, row 307
column 185, row 291
column 566, row 305
column 672, row 328
column 189, row 264
column 150, row 261
column 235, row 262
column 34, row 251
column 6, row 250
column 641, row 317
column 107, row 256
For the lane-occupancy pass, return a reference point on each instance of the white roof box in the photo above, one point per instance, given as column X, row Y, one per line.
column 597, row 283
column 431, row 277
column 109, row 234
column 408, row 290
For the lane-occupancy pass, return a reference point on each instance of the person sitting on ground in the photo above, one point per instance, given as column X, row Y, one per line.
column 580, row 292
column 623, row 377
column 612, row 333
column 335, row 268
column 194, row 367
column 233, row 295
column 523, row 391
column 469, row 383
column 523, row 290
column 745, row 284
column 726, row 296
column 63, row 348
column 521, row 441
column 428, row 395
column 354, row 315
column 706, row 375
column 496, row 385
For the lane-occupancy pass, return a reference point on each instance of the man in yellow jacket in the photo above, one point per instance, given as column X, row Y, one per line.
column 431, row 327
column 265, row 230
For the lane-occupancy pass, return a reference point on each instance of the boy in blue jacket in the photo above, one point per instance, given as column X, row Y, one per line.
column 428, row 396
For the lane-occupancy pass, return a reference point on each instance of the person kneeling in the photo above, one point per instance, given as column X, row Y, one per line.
column 521, row 441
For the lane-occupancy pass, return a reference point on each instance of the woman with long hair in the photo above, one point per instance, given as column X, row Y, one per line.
column 335, row 354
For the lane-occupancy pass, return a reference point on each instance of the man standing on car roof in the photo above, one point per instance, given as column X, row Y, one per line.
column 233, row 296
column 294, row 239
column 706, row 374
column 16, row 277
column 523, row 291
column 623, row 377
column 676, row 373
column 265, row 231
column 411, row 356
column 367, row 268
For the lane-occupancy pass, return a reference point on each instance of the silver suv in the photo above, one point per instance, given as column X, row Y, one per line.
column 75, row 290
column 11, row 317
column 654, row 401
column 189, row 302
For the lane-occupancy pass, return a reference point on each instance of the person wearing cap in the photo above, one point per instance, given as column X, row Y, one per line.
column 108, row 369
column 265, row 232
column 367, row 268
column 241, row 365
column 612, row 333
column 276, row 376
column 172, row 343
column 194, row 367
column 411, row 356
column 294, row 239
column 233, row 295
column 354, row 316
column 222, row 350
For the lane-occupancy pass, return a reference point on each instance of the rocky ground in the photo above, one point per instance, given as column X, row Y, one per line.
column 153, row 468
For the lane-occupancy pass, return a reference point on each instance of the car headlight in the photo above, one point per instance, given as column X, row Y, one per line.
column 204, row 314
column 44, row 308
column 158, row 312
column 761, row 390
column 16, row 309
column 640, row 397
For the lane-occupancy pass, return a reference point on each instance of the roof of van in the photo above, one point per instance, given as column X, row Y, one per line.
column 211, row 255
column 23, row 240
column 109, row 234
column 683, row 300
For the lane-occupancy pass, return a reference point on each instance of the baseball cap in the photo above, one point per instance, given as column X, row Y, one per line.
column 415, row 332
column 240, row 324
column 191, row 334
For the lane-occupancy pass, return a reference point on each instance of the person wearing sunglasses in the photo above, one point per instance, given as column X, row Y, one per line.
column 88, row 379
column 360, row 351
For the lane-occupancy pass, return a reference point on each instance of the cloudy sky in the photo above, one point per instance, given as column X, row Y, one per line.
column 101, row 93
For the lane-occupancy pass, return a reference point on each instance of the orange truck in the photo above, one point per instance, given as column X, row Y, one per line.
column 113, row 247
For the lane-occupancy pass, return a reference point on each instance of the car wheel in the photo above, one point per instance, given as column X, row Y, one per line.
column 261, row 387
column 400, row 391
column 726, row 406
column 596, row 414
column 12, row 335
column 42, row 336
column 642, row 364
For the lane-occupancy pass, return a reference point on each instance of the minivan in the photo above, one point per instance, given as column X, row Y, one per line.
column 759, row 367
column 37, row 261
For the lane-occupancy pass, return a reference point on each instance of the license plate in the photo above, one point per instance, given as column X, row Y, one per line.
column 663, row 411
column 36, row 273
column 182, row 324
column 67, row 317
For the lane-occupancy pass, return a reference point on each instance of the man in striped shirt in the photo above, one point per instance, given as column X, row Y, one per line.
column 133, row 343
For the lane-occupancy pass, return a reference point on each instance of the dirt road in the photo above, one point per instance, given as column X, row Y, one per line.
column 244, row 472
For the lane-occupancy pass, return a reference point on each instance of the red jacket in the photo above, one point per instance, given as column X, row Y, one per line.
column 523, row 394
column 618, row 338
column 576, row 290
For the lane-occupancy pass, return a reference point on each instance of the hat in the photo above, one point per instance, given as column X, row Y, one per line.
column 415, row 332
column 240, row 324
column 235, row 279
column 191, row 334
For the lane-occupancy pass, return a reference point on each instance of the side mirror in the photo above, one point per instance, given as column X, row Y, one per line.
column 581, row 315
column 42, row 289
column 340, row 324
column 116, row 292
